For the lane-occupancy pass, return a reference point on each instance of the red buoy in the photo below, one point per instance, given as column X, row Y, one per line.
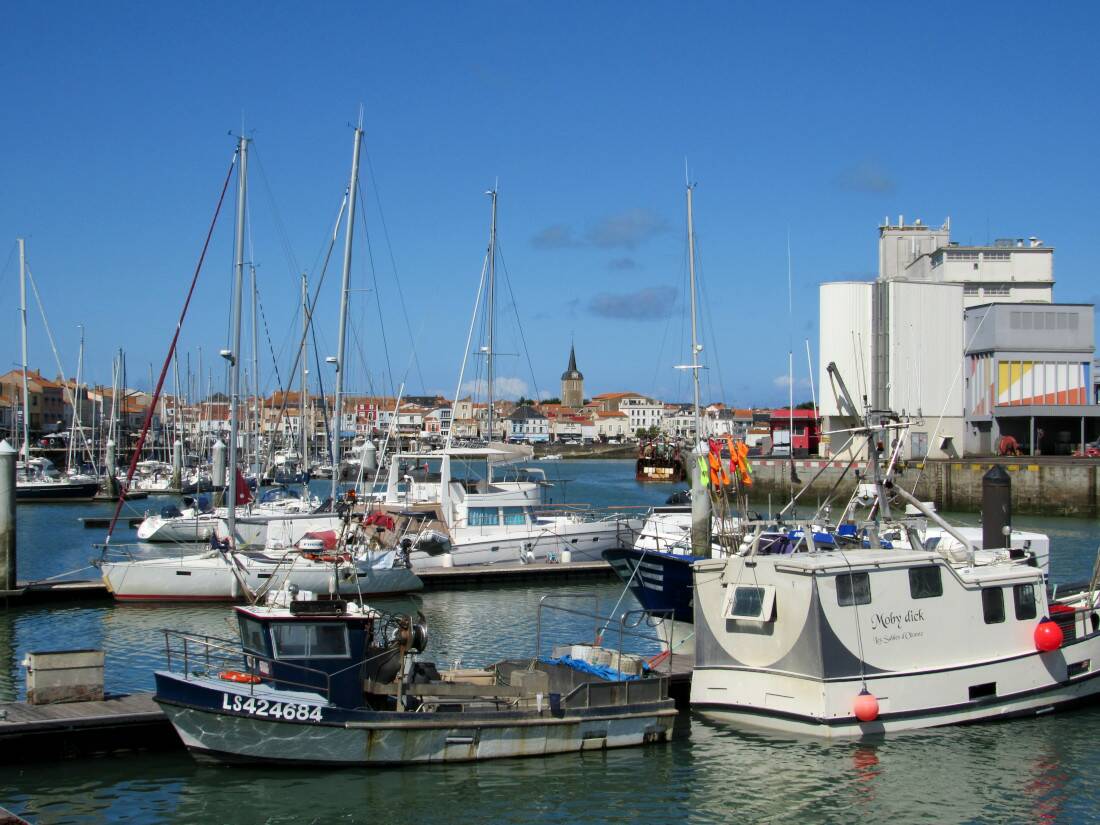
column 866, row 707
column 1048, row 636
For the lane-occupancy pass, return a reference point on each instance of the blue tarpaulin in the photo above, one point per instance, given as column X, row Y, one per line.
column 603, row 671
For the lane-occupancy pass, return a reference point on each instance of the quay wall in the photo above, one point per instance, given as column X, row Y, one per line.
column 1040, row 486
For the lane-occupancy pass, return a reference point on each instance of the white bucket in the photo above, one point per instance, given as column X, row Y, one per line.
column 566, row 556
column 448, row 560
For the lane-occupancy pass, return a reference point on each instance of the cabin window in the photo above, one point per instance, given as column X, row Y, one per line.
column 925, row 582
column 1024, row 597
column 853, row 589
column 993, row 605
column 483, row 517
column 295, row 640
column 515, row 515
column 252, row 636
column 752, row 603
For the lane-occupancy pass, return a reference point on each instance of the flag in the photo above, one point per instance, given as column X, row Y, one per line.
column 244, row 495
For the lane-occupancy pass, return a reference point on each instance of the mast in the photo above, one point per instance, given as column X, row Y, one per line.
column 338, row 411
column 303, row 436
column 23, row 319
column 75, row 423
column 255, row 406
column 695, row 348
column 490, row 302
column 233, row 354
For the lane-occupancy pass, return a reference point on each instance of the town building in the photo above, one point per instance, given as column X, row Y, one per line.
column 572, row 383
column 642, row 412
column 1027, row 376
column 898, row 342
column 527, row 424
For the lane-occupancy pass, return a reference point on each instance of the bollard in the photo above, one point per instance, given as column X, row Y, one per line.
column 370, row 457
column 996, row 508
column 177, row 465
column 217, row 479
column 7, row 516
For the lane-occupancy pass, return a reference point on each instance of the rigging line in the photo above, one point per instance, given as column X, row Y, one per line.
column 393, row 264
column 519, row 326
column 947, row 400
column 709, row 328
column 466, row 352
column 280, row 227
column 56, row 357
column 377, row 292
column 324, row 400
column 171, row 351
column 311, row 307
column 270, row 345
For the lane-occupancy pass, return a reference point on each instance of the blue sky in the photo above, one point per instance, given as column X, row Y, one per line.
column 817, row 119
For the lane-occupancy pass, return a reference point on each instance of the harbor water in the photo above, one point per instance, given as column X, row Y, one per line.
column 1036, row 770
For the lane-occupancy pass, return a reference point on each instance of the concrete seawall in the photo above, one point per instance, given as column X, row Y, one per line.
column 1040, row 486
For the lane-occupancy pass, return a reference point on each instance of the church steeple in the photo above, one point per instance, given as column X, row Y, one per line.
column 572, row 382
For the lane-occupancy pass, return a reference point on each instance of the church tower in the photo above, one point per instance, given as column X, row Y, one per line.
column 572, row 383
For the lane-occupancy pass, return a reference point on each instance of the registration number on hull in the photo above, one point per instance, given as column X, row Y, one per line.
column 287, row 711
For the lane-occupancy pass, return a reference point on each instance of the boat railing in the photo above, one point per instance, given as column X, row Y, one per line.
column 197, row 655
column 627, row 623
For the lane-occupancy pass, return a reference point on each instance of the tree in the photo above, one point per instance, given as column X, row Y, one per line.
column 806, row 405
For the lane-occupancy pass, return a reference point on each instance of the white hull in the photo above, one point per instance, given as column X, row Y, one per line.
column 182, row 529
column 585, row 541
column 208, row 577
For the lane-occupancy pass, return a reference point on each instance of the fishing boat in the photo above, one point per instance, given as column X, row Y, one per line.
column 886, row 626
column 660, row 460
column 324, row 682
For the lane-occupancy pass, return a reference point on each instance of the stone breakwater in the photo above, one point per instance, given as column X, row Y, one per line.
column 1040, row 486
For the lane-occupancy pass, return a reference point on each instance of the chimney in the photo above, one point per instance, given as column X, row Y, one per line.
column 1034, row 242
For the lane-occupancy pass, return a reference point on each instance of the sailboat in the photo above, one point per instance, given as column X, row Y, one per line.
column 36, row 478
column 339, row 560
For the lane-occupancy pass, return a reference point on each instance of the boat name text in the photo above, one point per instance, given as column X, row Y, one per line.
column 287, row 711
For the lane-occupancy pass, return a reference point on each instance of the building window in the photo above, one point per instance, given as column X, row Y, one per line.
column 1024, row 597
column 996, row 256
column 925, row 582
column 970, row 289
column 993, row 605
column 997, row 289
column 852, row 589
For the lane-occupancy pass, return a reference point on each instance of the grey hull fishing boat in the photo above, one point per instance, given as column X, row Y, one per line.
column 324, row 681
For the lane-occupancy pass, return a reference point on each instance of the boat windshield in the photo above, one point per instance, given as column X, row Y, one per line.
column 313, row 640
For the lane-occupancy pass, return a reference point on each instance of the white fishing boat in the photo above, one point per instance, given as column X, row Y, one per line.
column 900, row 622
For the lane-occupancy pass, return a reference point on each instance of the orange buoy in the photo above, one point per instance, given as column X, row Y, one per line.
column 239, row 676
column 866, row 706
column 1048, row 636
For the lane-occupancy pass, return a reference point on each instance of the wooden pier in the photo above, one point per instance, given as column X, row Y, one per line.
column 72, row 729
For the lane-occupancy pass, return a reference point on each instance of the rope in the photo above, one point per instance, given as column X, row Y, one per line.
column 171, row 351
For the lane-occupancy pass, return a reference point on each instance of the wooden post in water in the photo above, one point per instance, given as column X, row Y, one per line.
column 7, row 516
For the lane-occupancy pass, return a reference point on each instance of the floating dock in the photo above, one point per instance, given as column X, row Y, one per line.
column 72, row 729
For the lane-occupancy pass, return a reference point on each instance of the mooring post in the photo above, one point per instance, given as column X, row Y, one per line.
column 996, row 508
column 218, row 479
column 7, row 516
column 177, row 465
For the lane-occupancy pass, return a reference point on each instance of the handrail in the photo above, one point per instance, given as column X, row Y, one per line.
column 627, row 621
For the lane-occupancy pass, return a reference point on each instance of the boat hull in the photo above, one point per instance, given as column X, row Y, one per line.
column 56, row 492
column 206, row 717
column 210, row 579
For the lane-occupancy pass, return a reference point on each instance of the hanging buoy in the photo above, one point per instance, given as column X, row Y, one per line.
column 866, row 706
column 1048, row 636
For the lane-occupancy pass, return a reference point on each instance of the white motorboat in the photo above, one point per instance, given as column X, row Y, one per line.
column 37, row 480
column 197, row 521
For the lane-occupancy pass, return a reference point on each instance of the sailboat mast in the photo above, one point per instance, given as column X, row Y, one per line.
column 255, row 429
column 490, row 310
column 233, row 354
column 694, row 323
column 23, row 320
column 304, row 462
column 353, row 187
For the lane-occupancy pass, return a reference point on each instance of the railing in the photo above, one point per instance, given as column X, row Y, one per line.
column 627, row 623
